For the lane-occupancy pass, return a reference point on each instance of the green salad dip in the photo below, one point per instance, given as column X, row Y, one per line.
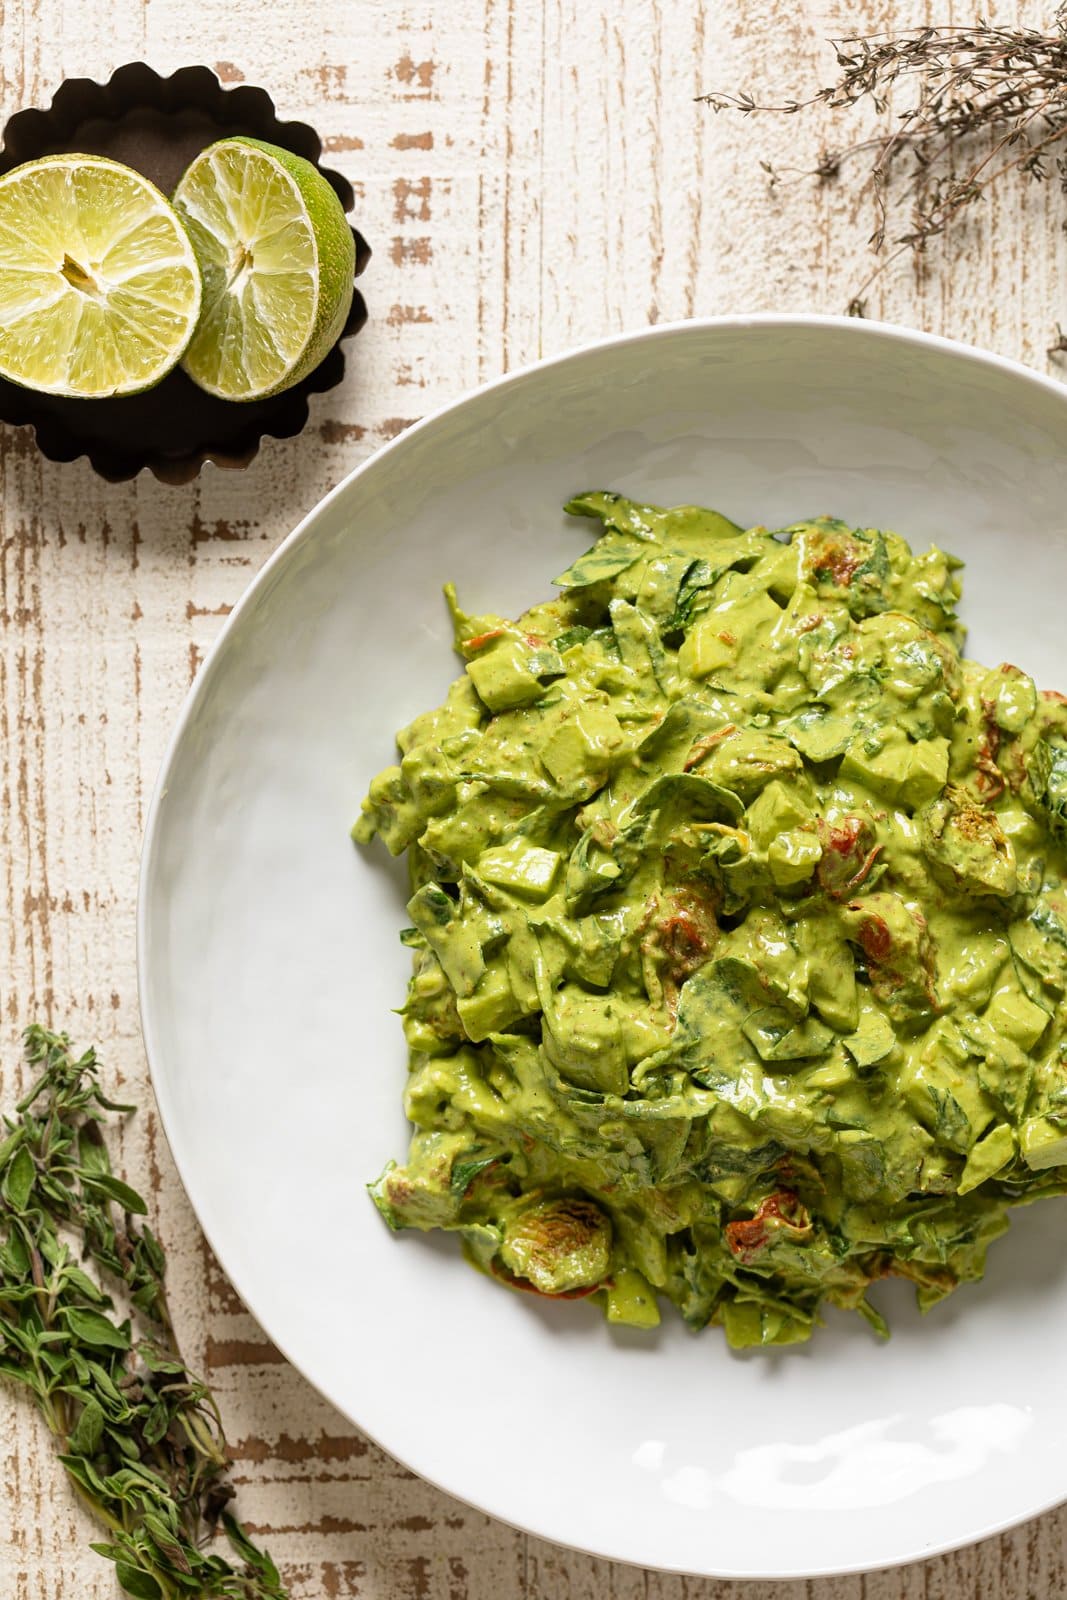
column 739, row 930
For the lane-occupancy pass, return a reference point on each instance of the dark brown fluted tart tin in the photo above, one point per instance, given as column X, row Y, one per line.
column 158, row 125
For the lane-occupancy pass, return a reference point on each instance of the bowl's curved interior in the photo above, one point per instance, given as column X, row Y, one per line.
column 269, row 964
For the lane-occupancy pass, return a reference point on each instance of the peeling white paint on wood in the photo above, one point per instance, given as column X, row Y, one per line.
column 531, row 174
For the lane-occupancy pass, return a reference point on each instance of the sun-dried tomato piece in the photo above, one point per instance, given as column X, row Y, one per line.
column 781, row 1212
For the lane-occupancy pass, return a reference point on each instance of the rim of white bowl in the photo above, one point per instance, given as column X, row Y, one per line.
column 860, row 327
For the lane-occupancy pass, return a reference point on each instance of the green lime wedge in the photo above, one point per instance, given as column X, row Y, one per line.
column 99, row 287
column 277, row 259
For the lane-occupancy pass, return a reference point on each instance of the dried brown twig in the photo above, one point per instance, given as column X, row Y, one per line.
column 986, row 101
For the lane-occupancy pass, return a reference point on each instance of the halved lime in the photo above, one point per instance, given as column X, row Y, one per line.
column 277, row 258
column 99, row 287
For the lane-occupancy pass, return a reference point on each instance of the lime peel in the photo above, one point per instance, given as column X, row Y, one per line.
column 99, row 287
column 277, row 259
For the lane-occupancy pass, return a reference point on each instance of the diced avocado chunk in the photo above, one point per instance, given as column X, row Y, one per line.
column 832, row 979
column 834, row 1074
column 749, row 1322
column 631, row 1301
column 476, row 823
column 976, row 969
column 583, row 1040
column 1043, row 1144
column 898, row 770
column 524, row 868
column 1016, row 1016
column 490, row 1008
column 705, row 650
column 987, row 1158
column 583, row 747
column 454, row 941
column 925, row 772
column 593, row 956
column 942, row 1094
column 792, row 857
column 509, row 674
column 873, row 1039
column 1004, row 1071
column 776, row 809
column 715, row 642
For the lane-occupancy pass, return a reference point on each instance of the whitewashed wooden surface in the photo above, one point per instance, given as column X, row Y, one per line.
column 531, row 174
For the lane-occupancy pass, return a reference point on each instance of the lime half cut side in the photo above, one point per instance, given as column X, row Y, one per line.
column 99, row 286
column 277, row 258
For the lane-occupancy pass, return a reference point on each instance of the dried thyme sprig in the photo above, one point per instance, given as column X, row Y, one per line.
column 986, row 101
column 139, row 1436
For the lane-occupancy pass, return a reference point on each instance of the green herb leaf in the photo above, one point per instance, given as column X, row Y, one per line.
column 1047, row 770
column 156, row 1423
column 9, row 1145
column 157, row 1360
column 465, row 1170
column 128, row 1199
column 166, row 1540
column 85, row 1439
column 84, row 1473
column 95, row 1330
column 138, row 1582
column 19, row 1179
column 258, row 1560
column 611, row 555
column 80, row 1281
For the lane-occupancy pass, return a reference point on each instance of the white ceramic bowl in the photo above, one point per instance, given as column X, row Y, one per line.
column 269, row 963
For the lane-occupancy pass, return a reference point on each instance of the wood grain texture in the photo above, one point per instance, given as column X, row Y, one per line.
column 532, row 173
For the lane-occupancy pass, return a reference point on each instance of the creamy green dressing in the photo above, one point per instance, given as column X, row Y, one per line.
column 739, row 929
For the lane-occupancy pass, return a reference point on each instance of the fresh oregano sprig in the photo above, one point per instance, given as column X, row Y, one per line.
column 139, row 1436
